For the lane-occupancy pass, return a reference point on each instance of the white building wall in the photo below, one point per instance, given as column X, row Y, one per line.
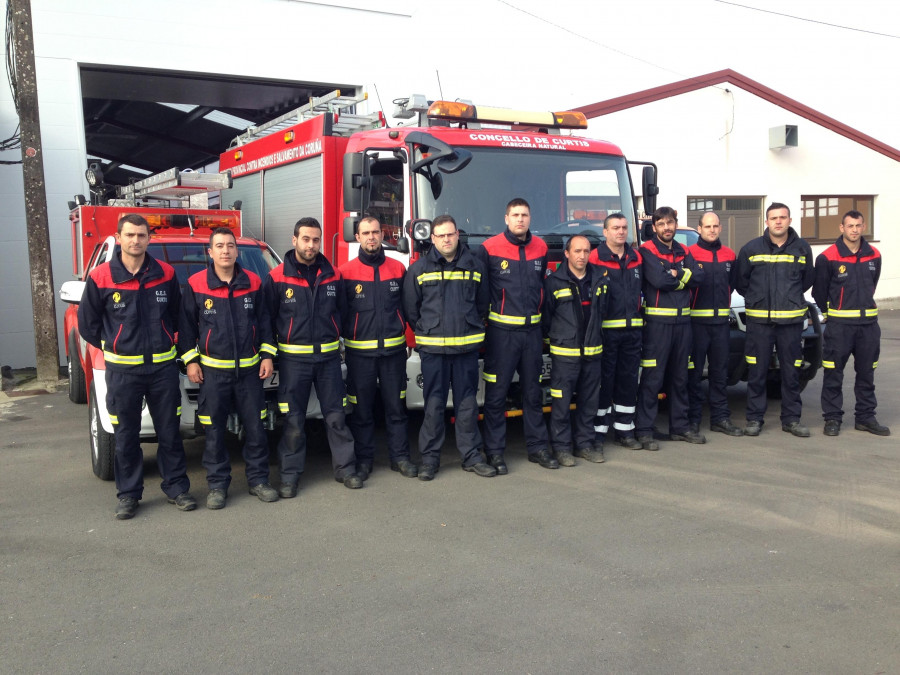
column 715, row 143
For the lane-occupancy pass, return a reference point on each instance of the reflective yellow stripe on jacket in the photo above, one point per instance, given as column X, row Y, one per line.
column 126, row 360
column 622, row 323
column 309, row 349
column 433, row 341
column 851, row 313
column 576, row 351
column 667, row 311
column 778, row 258
column 229, row 363
column 449, row 275
column 374, row 344
column 776, row 313
column 512, row 320
column 709, row 313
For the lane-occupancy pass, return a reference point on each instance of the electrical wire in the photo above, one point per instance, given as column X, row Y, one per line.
column 14, row 142
column 800, row 18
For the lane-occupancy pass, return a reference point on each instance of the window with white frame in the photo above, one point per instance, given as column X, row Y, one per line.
column 821, row 215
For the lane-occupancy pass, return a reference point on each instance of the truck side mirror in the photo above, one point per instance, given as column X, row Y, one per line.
column 354, row 181
column 649, row 188
column 350, row 228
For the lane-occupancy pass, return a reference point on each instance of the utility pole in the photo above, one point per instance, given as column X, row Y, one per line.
column 46, row 340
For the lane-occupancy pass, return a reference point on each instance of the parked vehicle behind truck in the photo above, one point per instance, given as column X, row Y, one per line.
column 179, row 236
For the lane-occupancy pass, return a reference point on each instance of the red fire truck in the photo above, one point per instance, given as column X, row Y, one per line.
column 179, row 235
column 325, row 161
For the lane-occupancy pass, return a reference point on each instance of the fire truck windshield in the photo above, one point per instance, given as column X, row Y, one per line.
column 569, row 193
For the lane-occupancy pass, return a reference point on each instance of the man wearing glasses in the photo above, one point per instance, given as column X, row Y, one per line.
column 445, row 299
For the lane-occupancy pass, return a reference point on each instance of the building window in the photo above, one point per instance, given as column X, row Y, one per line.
column 820, row 215
column 704, row 204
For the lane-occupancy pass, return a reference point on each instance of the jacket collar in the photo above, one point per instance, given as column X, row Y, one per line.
column 676, row 248
column 149, row 270
column 239, row 280
column 291, row 266
column 865, row 249
column 605, row 253
column 791, row 238
column 463, row 259
column 714, row 246
column 371, row 259
column 514, row 240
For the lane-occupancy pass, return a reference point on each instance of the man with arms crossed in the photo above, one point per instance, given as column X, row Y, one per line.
column 130, row 311
column 669, row 273
column 847, row 273
column 225, row 337
column 375, row 341
column 773, row 273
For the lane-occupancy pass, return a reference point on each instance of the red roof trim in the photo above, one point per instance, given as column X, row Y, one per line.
column 745, row 83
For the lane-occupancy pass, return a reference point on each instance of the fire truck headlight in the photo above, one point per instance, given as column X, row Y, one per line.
column 422, row 230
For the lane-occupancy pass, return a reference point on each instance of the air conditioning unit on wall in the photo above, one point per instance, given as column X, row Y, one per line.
column 783, row 137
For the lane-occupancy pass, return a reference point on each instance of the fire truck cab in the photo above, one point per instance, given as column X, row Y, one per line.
column 453, row 158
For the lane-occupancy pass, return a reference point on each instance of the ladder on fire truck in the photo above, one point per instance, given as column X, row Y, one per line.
column 173, row 184
column 344, row 124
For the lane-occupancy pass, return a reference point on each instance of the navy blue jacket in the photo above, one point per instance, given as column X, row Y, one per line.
column 446, row 302
column 131, row 317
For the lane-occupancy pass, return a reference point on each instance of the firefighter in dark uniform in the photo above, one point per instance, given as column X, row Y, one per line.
column 572, row 319
column 304, row 295
column 847, row 273
column 670, row 272
column 374, row 333
column 130, row 311
column 622, row 327
column 773, row 273
column 516, row 262
column 445, row 297
column 225, row 336
column 710, row 309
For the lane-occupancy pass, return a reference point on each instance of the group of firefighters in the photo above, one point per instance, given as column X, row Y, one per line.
column 624, row 324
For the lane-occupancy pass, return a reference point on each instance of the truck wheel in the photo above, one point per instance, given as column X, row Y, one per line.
column 77, row 390
column 103, row 445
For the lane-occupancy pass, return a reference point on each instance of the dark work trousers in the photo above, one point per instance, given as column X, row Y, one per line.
column 667, row 349
column 221, row 392
column 711, row 343
column 509, row 351
column 296, row 380
column 441, row 373
column 785, row 337
column 619, row 368
column 568, row 377
column 842, row 340
column 125, row 393
column 366, row 377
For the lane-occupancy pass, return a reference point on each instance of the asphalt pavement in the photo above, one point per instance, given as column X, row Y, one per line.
column 766, row 555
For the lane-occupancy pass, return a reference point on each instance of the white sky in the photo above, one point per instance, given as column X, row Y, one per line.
column 556, row 54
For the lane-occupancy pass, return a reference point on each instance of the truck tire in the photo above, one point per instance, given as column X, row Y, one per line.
column 77, row 390
column 103, row 445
